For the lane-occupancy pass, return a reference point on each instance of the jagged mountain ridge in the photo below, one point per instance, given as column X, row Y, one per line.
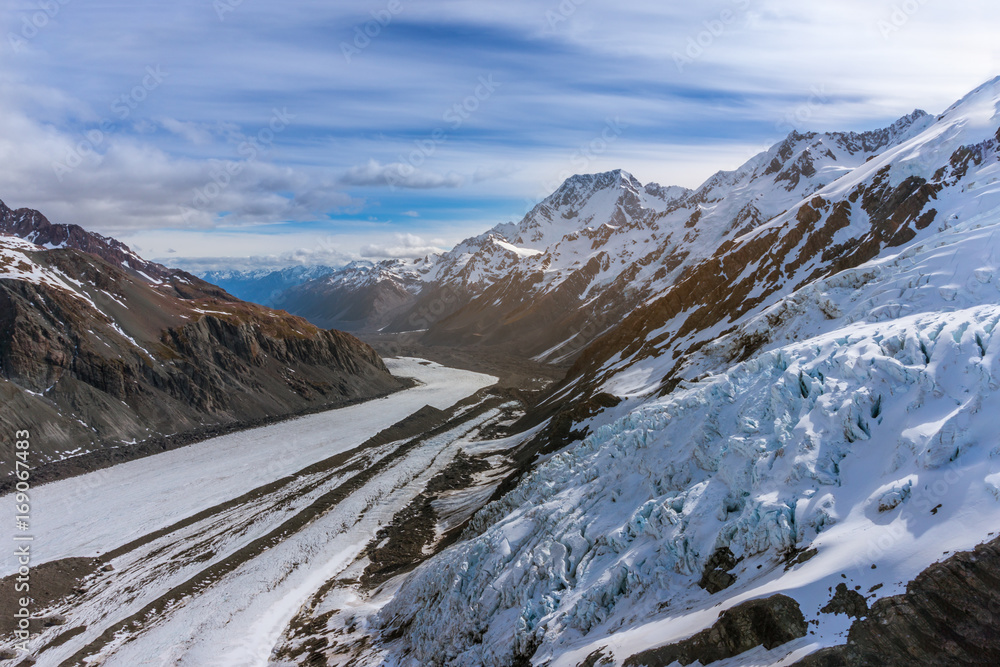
column 32, row 226
column 601, row 245
column 98, row 354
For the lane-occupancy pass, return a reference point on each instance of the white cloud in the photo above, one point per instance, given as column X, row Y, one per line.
column 490, row 173
column 403, row 246
column 301, row 257
column 196, row 133
column 560, row 82
column 398, row 175
column 109, row 181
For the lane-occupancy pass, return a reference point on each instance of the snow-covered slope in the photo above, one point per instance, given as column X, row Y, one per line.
column 18, row 262
column 809, row 405
column 844, row 443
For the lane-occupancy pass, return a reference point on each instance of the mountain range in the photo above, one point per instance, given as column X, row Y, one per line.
column 774, row 443
column 584, row 257
column 106, row 356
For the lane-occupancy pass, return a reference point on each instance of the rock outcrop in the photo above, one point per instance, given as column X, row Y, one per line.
column 767, row 622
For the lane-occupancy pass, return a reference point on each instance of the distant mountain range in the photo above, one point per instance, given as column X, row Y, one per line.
column 264, row 286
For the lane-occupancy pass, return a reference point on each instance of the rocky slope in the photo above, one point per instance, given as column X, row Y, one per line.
column 32, row 226
column 101, row 351
column 949, row 615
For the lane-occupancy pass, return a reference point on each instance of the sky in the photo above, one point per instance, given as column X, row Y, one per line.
column 212, row 134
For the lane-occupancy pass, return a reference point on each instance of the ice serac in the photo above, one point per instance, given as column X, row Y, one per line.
column 103, row 354
column 808, row 392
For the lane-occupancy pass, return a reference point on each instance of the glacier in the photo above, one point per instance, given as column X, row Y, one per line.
column 855, row 430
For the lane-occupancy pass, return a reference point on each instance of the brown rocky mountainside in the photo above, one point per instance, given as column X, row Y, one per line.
column 103, row 352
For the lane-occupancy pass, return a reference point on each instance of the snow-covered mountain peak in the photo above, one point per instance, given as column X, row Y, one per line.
column 583, row 184
column 908, row 121
column 366, row 273
column 591, row 200
column 983, row 103
column 359, row 265
column 668, row 193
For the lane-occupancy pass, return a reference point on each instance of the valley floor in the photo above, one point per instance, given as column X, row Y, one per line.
column 204, row 555
column 513, row 371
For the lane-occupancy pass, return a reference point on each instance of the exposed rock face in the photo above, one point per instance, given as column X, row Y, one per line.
column 949, row 615
column 96, row 354
column 767, row 622
column 846, row 601
column 716, row 575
